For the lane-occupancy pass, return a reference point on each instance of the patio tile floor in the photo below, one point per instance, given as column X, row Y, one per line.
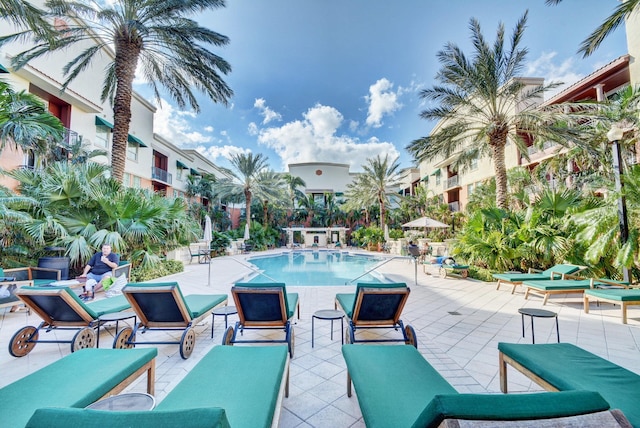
column 458, row 325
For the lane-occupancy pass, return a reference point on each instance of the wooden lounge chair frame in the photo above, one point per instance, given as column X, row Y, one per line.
column 552, row 275
column 179, row 318
column 367, row 313
column 59, row 309
column 270, row 313
column 624, row 304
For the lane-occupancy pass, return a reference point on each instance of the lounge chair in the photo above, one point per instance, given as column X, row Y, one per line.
column 263, row 306
column 61, row 309
column 564, row 367
column 624, row 297
column 161, row 306
column 569, row 284
column 376, row 305
column 397, row 387
column 237, row 386
column 555, row 272
column 8, row 286
column 75, row 380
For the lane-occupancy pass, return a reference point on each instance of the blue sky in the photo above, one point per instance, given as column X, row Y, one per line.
column 338, row 80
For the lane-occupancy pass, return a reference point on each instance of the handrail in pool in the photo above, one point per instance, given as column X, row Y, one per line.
column 375, row 267
column 254, row 269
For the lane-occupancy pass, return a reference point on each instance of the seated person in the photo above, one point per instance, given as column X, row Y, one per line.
column 99, row 267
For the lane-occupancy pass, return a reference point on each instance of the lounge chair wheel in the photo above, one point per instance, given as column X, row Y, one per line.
column 124, row 339
column 188, row 343
column 464, row 273
column 23, row 341
column 443, row 272
column 291, row 340
column 410, row 336
column 227, row 339
column 85, row 338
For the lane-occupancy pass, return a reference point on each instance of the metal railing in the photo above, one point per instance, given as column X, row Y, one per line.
column 377, row 266
column 452, row 181
column 255, row 270
column 160, row 174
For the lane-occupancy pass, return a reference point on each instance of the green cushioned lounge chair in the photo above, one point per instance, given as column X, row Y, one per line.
column 566, row 367
column 623, row 297
column 554, row 272
column 162, row 306
column 61, row 309
column 263, row 306
column 397, row 387
column 376, row 305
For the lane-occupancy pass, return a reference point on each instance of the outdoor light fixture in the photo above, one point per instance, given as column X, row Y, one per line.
column 614, row 135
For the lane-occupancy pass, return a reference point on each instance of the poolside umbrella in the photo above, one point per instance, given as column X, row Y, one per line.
column 207, row 229
column 246, row 232
column 386, row 232
column 425, row 222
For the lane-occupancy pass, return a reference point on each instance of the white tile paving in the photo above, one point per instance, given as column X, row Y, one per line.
column 458, row 324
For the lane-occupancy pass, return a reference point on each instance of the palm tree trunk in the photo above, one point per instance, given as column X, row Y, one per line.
column 497, row 146
column 247, row 198
column 125, row 68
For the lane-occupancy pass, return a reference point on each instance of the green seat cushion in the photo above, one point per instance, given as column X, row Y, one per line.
column 42, row 282
column 509, row 407
column 393, row 383
column 201, row 304
column 455, row 266
column 110, row 305
column 622, row 295
column 559, row 284
column 290, row 299
column 64, row 383
column 562, row 268
column 348, row 300
column 87, row 418
column 519, row 277
column 243, row 380
column 619, row 386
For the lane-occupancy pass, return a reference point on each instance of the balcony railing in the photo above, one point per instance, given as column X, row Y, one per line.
column 452, row 181
column 454, row 206
column 160, row 174
column 546, row 145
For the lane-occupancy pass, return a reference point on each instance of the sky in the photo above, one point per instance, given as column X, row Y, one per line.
column 339, row 80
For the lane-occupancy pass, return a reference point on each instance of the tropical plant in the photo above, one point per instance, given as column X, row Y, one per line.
column 293, row 183
column 25, row 122
column 623, row 11
column 251, row 178
column 482, row 104
column 156, row 37
column 27, row 16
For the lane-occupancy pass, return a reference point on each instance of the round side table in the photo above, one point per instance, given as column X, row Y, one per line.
column 331, row 315
column 223, row 311
column 111, row 317
column 538, row 313
column 125, row 402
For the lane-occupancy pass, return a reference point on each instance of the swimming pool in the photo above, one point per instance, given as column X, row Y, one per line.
column 320, row 267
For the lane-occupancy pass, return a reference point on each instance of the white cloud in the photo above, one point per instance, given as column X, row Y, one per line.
column 266, row 112
column 315, row 139
column 174, row 125
column 214, row 152
column 564, row 72
column 208, row 128
column 382, row 101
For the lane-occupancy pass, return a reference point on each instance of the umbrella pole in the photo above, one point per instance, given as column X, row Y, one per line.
column 415, row 268
column 209, row 277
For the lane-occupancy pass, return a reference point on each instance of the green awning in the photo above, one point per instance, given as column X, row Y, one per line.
column 2, row 69
column 181, row 165
column 436, row 172
column 136, row 140
column 194, row 172
column 425, row 178
column 101, row 122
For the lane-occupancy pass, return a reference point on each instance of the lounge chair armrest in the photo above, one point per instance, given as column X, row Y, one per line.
column 126, row 269
column 532, row 270
column 20, row 274
column 45, row 273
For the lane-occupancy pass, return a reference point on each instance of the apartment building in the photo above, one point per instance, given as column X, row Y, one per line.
column 152, row 162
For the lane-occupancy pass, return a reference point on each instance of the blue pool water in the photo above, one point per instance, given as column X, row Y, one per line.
column 316, row 268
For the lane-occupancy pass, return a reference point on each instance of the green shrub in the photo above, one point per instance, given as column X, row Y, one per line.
column 482, row 274
column 166, row 267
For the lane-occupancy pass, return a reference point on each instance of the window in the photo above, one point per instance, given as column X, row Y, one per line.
column 474, row 163
column 136, row 182
column 132, row 151
column 126, row 179
column 180, row 174
column 437, row 179
column 102, row 137
column 470, row 189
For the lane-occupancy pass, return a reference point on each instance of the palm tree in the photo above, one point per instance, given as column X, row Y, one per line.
column 379, row 182
column 25, row 122
column 153, row 36
column 25, row 15
column 483, row 104
column 293, row 182
column 610, row 24
column 250, row 179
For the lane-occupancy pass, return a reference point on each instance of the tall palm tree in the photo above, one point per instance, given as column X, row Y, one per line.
column 482, row 103
column 610, row 24
column 25, row 122
column 379, row 182
column 293, row 183
column 28, row 17
column 250, row 179
column 153, row 36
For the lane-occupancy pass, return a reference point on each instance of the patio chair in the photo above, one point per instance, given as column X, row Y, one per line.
column 554, row 272
column 8, row 287
column 375, row 305
column 37, row 275
column 61, row 309
column 199, row 251
column 263, row 306
column 162, row 306
column 615, row 292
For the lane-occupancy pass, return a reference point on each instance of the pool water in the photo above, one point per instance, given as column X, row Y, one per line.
column 319, row 267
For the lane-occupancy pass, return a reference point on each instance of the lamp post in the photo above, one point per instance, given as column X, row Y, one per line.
column 614, row 136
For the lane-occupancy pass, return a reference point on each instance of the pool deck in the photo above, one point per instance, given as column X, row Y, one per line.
column 458, row 325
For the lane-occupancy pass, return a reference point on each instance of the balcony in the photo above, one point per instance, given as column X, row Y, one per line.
column 454, row 206
column 549, row 148
column 453, row 182
column 160, row 175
